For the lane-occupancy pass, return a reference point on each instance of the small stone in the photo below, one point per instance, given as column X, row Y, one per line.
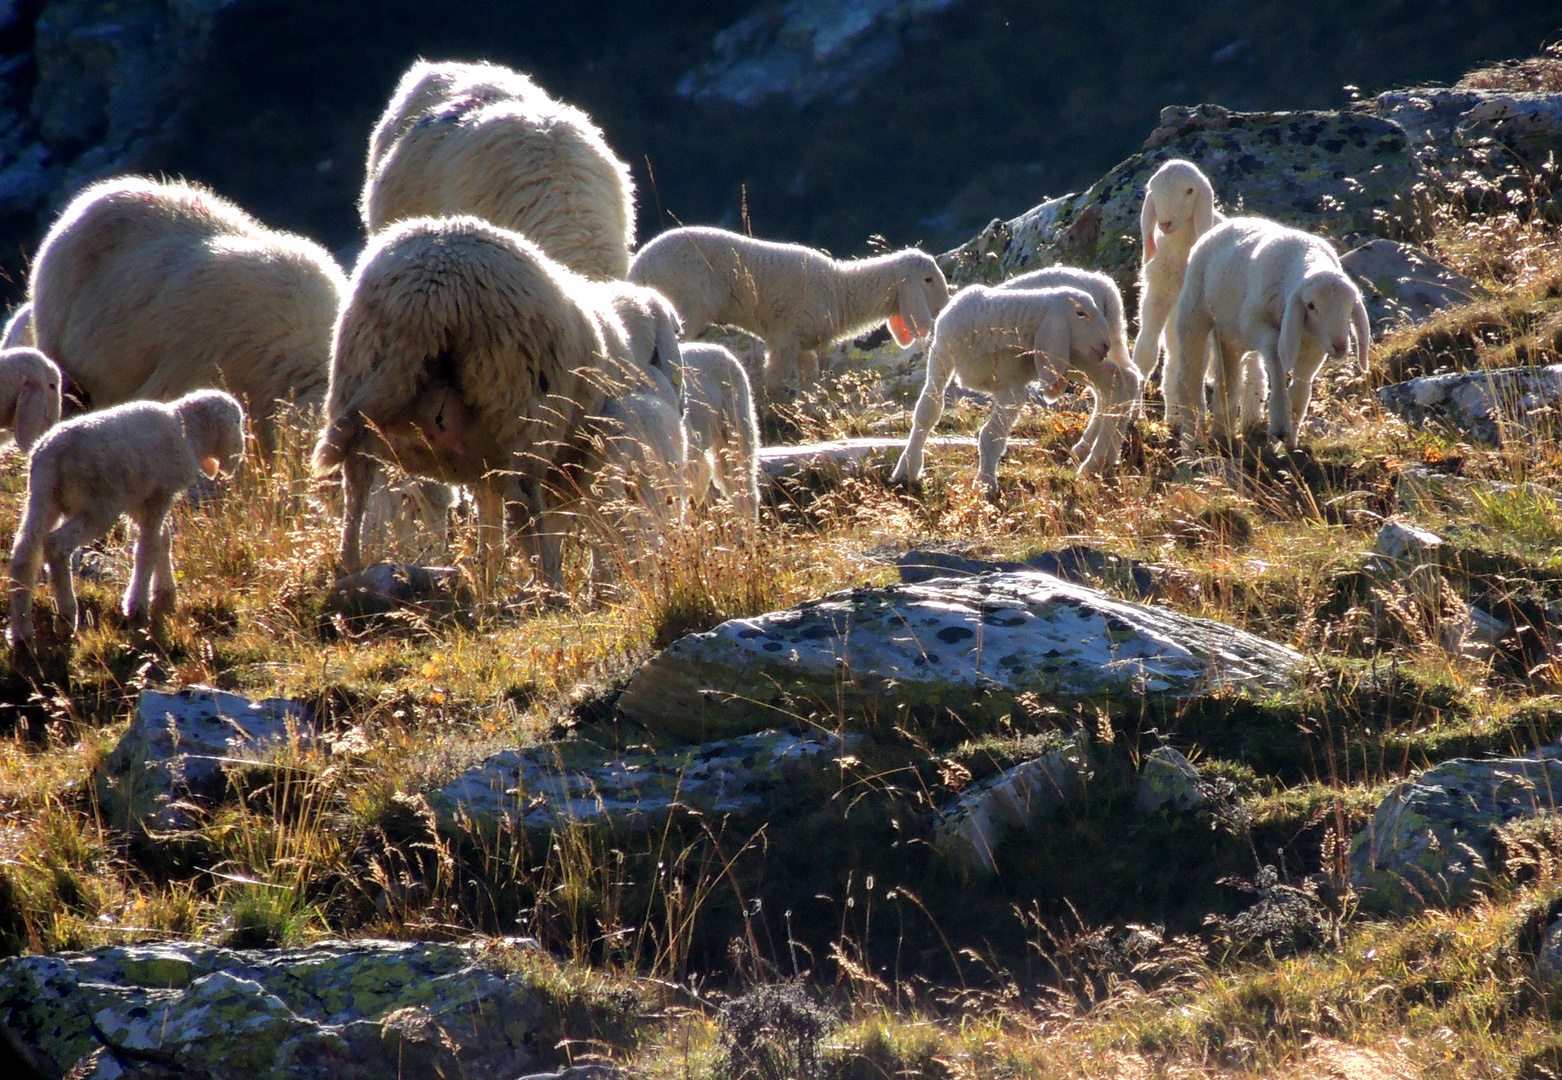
column 1485, row 405
column 1407, row 544
column 1168, row 780
column 388, row 590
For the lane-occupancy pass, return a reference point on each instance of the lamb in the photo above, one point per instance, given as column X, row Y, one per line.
column 998, row 341
column 1103, row 290
column 29, row 394
column 1261, row 287
column 483, row 140
column 1179, row 201
column 718, row 411
column 133, row 459
column 797, row 300
column 18, row 331
column 148, row 290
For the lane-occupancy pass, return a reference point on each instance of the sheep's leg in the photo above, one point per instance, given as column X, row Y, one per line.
column 26, row 563
column 1183, row 380
column 994, row 437
column 1255, row 392
column 151, row 540
column 738, row 480
column 1227, row 359
column 164, row 590
column 489, row 493
column 1308, row 361
column 1115, row 400
column 808, row 368
column 930, row 406
column 77, row 530
column 783, row 358
column 1154, row 310
column 1279, row 395
column 357, row 478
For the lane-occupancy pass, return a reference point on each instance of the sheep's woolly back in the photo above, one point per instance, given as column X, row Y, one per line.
column 482, row 140
column 149, row 290
column 477, row 307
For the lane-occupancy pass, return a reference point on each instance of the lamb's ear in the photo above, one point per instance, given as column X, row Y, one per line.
column 1050, row 350
column 1147, row 217
column 914, row 311
column 1291, row 324
column 32, row 413
column 1204, row 212
column 1363, row 326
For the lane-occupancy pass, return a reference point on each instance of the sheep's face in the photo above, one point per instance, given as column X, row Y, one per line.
column 1327, row 306
column 1179, row 190
column 923, row 292
column 1090, row 337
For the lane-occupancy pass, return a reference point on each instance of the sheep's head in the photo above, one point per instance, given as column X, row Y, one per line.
column 213, row 424
column 921, row 295
column 1178, row 195
column 36, row 408
column 1328, row 303
column 1072, row 331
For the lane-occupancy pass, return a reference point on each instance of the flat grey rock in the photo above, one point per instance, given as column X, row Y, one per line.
column 969, row 830
column 841, row 456
column 1403, row 285
column 1078, row 563
column 1481, row 405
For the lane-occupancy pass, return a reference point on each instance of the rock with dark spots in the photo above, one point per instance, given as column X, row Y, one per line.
column 1403, row 285
column 557, row 784
column 1432, row 840
column 175, row 755
column 1168, row 781
column 388, row 592
column 1078, row 563
column 969, row 830
column 1482, row 405
column 863, row 655
column 360, row 1008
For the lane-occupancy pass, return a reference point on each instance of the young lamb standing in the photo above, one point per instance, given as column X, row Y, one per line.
column 483, row 140
column 1261, row 287
column 134, row 459
column 1179, row 207
column 146, row 290
column 718, row 411
column 797, row 300
column 999, row 341
column 29, row 394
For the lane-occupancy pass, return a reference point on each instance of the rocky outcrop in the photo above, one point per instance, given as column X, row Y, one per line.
column 967, row 646
column 1482, row 405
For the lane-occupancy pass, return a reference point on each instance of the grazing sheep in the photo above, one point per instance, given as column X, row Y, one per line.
column 1103, row 290
column 639, row 472
column 483, row 140
column 718, row 411
column 18, row 332
column 999, row 341
column 1179, row 207
column 147, row 290
column 133, row 459
column 797, row 300
column 29, row 394
column 1261, row 287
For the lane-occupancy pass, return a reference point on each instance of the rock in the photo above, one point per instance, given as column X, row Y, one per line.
column 1472, row 633
column 968, row 646
column 969, row 830
column 396, row 590
column 178, row 747
column 1078, row 563
column 1417, row 484
column 833, row 459
column 1482, row 405
column 360, row 1008
column 558, row 783
column 578, row 1072
column 1548, row 958
column 1168, row 780
column 1432, row 839
column 1408, row 545
column 1404, row 285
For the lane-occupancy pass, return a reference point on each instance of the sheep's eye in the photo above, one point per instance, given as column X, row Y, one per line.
column 1311, row 306
column 927, row 281
column 1190, row 191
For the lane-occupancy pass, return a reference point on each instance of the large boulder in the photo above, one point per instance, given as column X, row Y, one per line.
column 1403, row 285
column 967, row 646
column 1433, row 839
column 342, row 1009
column 1481, row 405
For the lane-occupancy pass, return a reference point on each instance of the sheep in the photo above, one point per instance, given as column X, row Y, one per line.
column 999, row 341
column 639, row 473
column 132, row 459
column 18, row 333
column 148, row 290
column 1261, row 287
column 718, row 411
column 1103, row 290
column 29, row 394
column 797, row 300
column 1179, row 201
column 483, row 140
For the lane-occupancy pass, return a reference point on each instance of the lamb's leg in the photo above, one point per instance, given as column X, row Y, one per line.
column 357, row 478
column 1115, row 396
column 1154, row 310
column 77, row 530
column 164, row 591
column 1227, row 358
column 1183, row 379
column 1308, row 361
column 930, row 406
column 152, row 541
column 783, row 358
column 489, row 493
column 26, row 562
column 1255, row 392
column 993, row 439
column 1268, row 349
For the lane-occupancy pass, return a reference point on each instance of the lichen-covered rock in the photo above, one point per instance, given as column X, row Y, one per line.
column 1403, row 285
column 967, row 646
column 555, row 784
column 1432, row 839
column 361, row 1008
column 969, row 830
column 1168, row 780
column 1482, row 405
column 1078, row 563
column 178, row 747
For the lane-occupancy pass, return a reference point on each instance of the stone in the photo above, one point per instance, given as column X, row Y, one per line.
column 1417, row 484
column 556, row 784
column 178, row 748
column 967, row 646
column 1548, row 958
column 1408, row 545
column 1403, row 285
column 838, row 457
column 1482, row 405
column 1078, row 563
column 969, row 830
column 359, row 1008
column 389, row 591
column 1433, row 839
column 1168, row 781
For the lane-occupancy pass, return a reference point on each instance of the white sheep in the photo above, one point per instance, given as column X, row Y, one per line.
column 718, row 411
column 18, row 332
column 483, row 140
column 1103, row 290
column 797, row 300
column 637, row 477
column 147, row 290
column 999, row 341
column 1179, row 207
column 1261, row 287
column 134, row 459
column 29, row 394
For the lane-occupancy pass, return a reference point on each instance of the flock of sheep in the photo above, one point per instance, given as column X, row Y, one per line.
column 496, row 334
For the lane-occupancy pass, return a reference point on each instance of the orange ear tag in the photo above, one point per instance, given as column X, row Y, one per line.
column 900, row 331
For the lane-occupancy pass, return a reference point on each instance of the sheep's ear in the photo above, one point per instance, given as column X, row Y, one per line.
column 1050, row 351
column 1204, row 212
column 1363, row 326
column 210, row 466
column 1291, row 324
column 1147, row 216
column 32, row 413
column 914, row 312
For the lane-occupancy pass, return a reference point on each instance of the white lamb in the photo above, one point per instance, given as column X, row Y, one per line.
column 1261, row 287
column 718, row 411
column 1103, row 290
column 481, row 139
column 29, row 394
column 1179, row 207
column 135, row 459
column 999, row 341
column 147, row 290
column 18, row 332
column 797, row 300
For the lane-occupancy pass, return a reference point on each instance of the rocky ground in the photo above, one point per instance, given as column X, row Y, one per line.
column 1238, row 767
